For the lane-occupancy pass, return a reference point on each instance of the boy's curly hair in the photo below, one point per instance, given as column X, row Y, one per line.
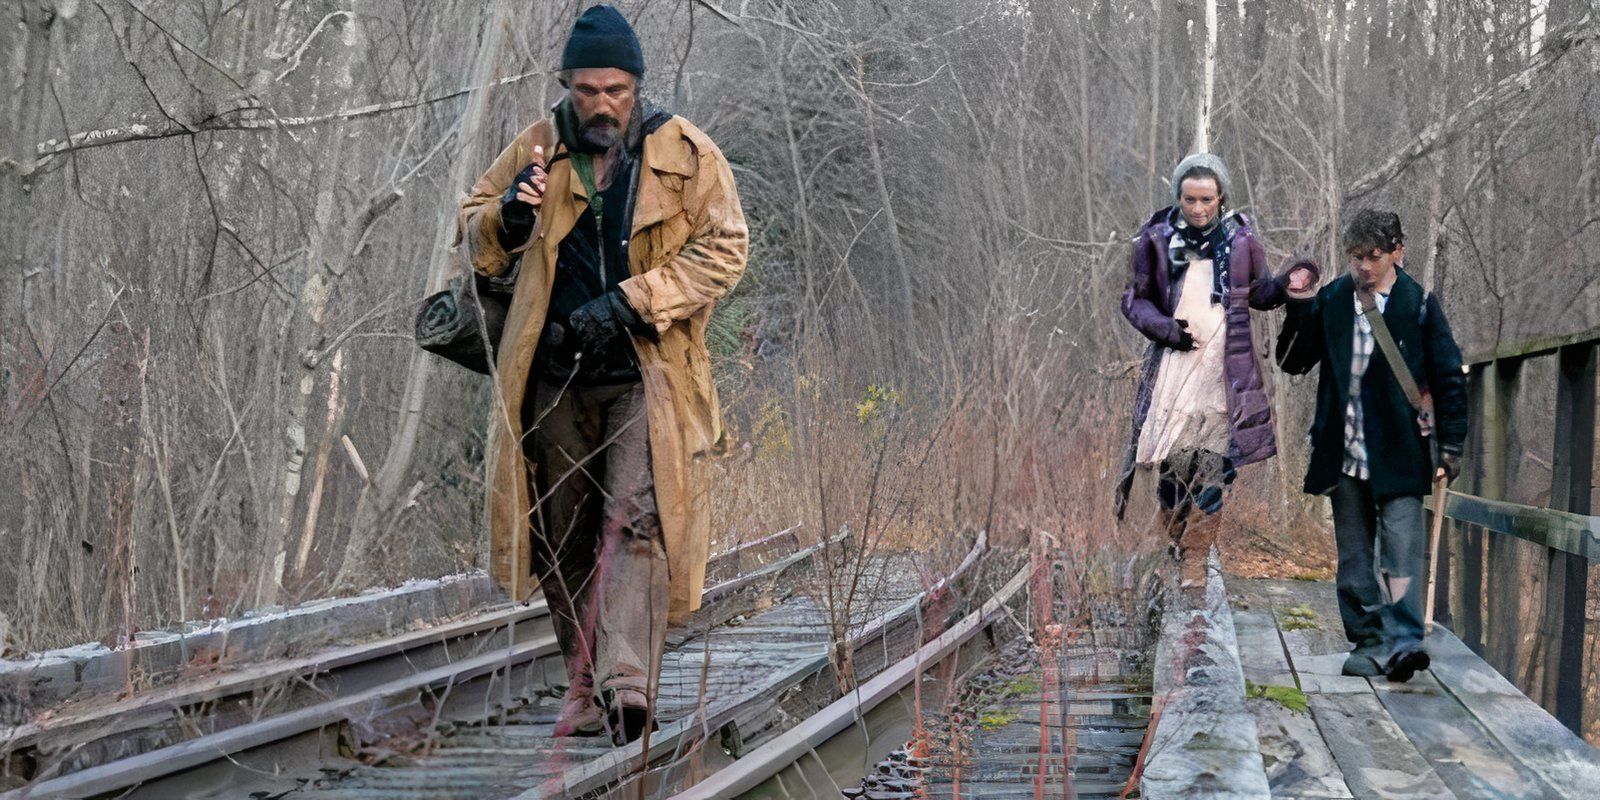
column 1372, row 230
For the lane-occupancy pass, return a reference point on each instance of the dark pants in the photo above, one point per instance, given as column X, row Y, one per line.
column 1395, row 530
column 1194, row 479
column 597, row 544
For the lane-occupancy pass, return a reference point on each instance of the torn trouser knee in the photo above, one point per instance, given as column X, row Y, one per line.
column 1378, row 542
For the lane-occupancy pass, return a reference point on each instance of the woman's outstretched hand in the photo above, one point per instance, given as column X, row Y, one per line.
column 1301, row 280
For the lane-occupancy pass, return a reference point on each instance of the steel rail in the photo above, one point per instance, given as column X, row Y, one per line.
column 606, row 775
column 205, row 749
column 159, row 763
column 135, row 712
column 773, row 757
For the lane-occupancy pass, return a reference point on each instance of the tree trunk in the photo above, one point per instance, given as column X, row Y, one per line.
column 326, row 263
column 1152, row 168
column 1208, row 69
column 1333, row 147
column 378, row 500
column 21, row 121
column 907, row 313
column 1086, row 168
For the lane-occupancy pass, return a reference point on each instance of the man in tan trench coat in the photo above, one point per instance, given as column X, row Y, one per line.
column 623, row 227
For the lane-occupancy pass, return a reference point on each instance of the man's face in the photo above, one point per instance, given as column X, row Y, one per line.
column 1199, row 200
column 1373, row 266
column 603, row 98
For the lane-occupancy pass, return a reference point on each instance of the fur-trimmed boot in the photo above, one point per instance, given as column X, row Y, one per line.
column 1195, row 549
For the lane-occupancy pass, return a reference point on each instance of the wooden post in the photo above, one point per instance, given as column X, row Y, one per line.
column 1441, row 581
column 1469, row 594
column 1568, row 574
column 1502, row 584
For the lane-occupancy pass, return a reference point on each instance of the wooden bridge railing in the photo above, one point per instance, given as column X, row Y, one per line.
column 1567, row 533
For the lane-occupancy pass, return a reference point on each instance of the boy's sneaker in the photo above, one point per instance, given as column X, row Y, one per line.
column 1366, row 661
column 1406, row 663
column 1361, row 665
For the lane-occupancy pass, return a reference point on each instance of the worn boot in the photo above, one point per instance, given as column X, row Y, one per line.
column 627, row 715
column 1366, row 661
column 1195, row 549
column 1171, row 524
column 1406, row 663
column 580, row 715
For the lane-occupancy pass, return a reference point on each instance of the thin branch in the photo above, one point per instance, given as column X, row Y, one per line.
column 709, row 6
column 294, row 60
column 1452, row 127
column 179, row 42
column 247, row 117
column 70, row 364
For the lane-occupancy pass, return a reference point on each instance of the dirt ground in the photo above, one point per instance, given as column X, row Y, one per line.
column 1264, row 533
column 1301, row 553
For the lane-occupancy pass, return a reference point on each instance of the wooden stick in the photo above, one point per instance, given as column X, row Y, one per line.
column 1440, row 481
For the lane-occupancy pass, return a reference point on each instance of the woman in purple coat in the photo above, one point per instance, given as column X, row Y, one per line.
column 1202, row 410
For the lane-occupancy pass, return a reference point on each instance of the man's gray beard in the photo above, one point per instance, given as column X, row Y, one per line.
column 599, row 140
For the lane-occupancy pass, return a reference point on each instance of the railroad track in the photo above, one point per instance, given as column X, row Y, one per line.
column 112, row 745
column 815, row 731
column 490, row 681
column 722, row 693
column 976, row 713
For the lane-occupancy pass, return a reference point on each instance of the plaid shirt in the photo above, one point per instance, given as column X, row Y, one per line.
column 1355, row 434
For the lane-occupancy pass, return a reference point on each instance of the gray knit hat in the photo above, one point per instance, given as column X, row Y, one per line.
column 1201, row 160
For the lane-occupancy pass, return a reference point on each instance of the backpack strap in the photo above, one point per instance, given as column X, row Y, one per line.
column 1391, row 350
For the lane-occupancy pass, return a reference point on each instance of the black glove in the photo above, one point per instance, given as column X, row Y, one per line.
column 1185, row 340
column 604, row 323
column 1450, row 462
column 516, row 216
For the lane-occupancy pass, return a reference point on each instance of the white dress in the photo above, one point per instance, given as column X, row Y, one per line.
column 1189, row 403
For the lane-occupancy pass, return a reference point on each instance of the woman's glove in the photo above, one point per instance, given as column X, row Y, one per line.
column 1185, row 340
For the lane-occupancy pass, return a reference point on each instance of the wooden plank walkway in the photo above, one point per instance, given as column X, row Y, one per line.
column 1458, row 730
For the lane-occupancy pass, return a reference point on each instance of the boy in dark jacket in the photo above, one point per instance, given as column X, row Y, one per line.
column 1369, row 446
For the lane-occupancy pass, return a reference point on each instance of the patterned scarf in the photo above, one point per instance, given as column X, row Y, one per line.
column 1214, row 242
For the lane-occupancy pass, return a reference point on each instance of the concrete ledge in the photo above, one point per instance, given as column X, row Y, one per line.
column 1205, row 743
column 156, row 658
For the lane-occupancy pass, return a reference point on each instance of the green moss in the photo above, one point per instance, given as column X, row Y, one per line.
column 1286, row 696
column 1023, row 685
column 1298, row 618
column 996, row 719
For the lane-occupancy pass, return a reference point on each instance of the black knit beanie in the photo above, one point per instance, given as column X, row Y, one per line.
column 603, row 38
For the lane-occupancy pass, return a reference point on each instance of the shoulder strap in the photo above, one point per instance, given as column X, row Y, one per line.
column 1391, row 351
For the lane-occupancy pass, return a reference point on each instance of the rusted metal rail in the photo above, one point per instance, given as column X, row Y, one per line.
column 337, row 684
column 771, row 758
column 723, row 691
